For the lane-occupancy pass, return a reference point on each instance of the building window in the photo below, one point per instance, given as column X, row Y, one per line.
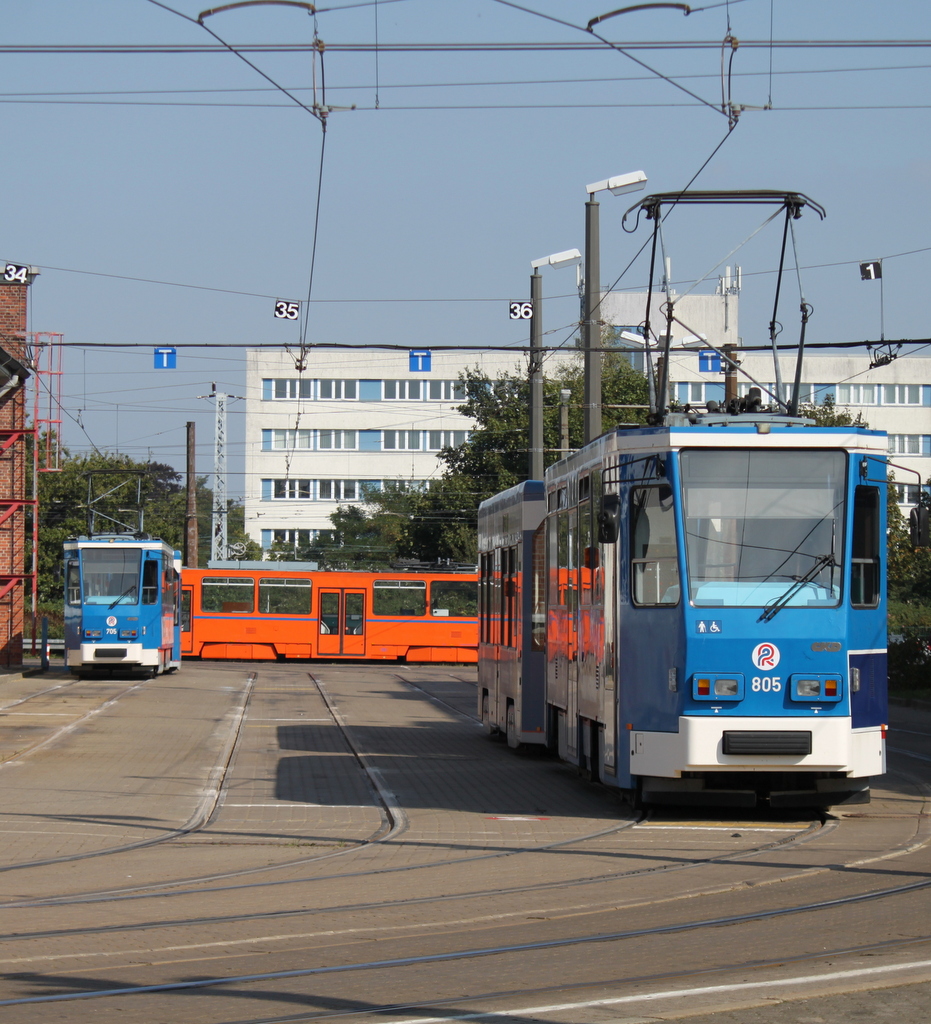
column 346, row 390
column 286, row 388
column 445, row 390
column 901, row 394
column 905, row 444
column 907, row 494
column 437, row 439
column 337, row 490
column 399, row 390
column 296, row 538
column 401, row 440
column 283, row 440
column 328, row 440
column 291, row 489
column 856, row 394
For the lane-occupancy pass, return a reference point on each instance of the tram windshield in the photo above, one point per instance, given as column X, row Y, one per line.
column 110, row 575
column 764, row 528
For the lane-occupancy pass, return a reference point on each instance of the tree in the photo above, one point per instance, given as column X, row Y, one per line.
column 63, row 510
column 438, row 522
column 828, row 415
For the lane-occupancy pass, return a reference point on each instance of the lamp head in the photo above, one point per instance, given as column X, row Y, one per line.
column 567, row 258
column 634, row 181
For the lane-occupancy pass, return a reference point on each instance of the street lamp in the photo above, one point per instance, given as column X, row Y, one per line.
column 568, row 258
column 591, row 328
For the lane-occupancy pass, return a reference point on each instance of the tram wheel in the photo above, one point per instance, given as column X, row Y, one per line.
column 513, row 741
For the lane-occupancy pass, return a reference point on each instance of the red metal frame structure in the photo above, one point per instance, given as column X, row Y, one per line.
column 275, row 614
column 46, row 352
column 14, row 452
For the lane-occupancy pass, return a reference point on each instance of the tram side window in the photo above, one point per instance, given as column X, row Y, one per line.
column 399, row 597
column 185, row 611
column 456, row 598
column 284, row 596
column 654, row 563
column 538, row 584
column 150, row 574
column 168, row 584
column 227, row 594
column 73, row 583
column 509, row 597
column 864, row 580
column 484, row 590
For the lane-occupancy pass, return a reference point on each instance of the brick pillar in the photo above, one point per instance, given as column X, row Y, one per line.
column 13, row 455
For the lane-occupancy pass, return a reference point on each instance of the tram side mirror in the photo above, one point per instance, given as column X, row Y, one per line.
column 609, row 519
column 919, row 526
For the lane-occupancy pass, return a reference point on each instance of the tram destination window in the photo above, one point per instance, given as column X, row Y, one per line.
column 399, row 597
column 654, row 563
column 227, row 594
column 764, row 527
column 284, row 596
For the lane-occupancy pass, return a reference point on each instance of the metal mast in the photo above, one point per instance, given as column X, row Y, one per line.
column 218, row 551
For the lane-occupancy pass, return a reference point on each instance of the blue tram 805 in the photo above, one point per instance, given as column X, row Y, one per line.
column 122, row 605
column 714, row 606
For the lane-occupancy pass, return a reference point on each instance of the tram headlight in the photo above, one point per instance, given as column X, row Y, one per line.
column 711, row 686
column 93, row 633
column 820, row 688
column 128, row 634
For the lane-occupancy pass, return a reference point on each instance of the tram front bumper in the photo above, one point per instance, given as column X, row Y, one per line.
column 104, row 655
column 729, row 744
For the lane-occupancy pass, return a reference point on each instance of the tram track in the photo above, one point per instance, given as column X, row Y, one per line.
column 201, row 814
column 415, row 926
column 395, row 824
column 484, row 951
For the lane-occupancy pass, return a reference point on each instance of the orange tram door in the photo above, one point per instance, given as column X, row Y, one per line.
column 341, row 623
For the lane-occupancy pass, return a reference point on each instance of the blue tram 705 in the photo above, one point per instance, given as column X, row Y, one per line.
column 715, row 611
column 122, row 605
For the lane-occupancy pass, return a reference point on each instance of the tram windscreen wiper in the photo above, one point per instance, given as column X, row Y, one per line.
column 131, row 589
column 772, row 610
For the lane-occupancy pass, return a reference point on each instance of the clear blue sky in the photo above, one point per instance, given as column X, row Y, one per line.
column 455, row 170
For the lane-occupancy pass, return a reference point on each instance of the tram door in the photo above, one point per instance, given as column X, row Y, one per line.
column 187, row 635
column 342, row 623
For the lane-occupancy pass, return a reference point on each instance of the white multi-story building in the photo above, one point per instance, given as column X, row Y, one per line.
column 895, row 398
column 355, row 417
column 360, row 417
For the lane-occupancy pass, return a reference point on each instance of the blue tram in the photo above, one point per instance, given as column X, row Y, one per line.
column 122, row 605
column 715, row 611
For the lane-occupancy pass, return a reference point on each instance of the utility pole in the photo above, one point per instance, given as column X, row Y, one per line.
column 536, row 376
column 591, row 326
column 190, row 515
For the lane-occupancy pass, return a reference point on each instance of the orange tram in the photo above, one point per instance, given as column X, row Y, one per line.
column 277, row 614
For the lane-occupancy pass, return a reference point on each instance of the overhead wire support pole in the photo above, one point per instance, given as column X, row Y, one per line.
column 219, row 547
column 219, row 533
column 591, row 328
column 536, row 376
